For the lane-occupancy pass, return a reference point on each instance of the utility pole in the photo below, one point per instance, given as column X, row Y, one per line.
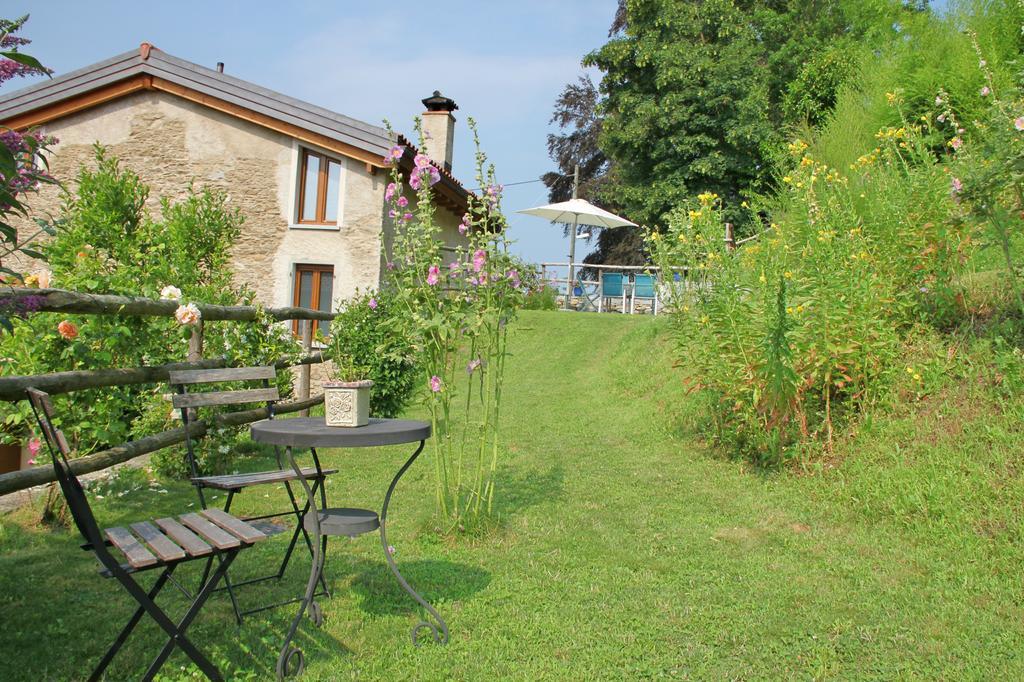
column 572, row 236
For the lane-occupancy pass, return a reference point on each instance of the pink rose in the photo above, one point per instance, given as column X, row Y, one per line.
column 187, row 314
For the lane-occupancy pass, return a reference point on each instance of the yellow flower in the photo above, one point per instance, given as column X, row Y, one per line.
column 917, row 377
column 789, row 311
column 704, row 319
column 786, row 179
column 655, row 236
column 762, row 278
column 788, row 275
column 799, row 308
column 695, row 214
column 744, row 204
column 910, row 370
column 706, row 198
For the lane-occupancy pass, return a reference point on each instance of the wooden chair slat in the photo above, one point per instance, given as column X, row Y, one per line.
column 138, row 556
column 238, row 481
column 215, row 535
column 206, row 376
column 158, row 542
column 248, row 395
column 233, row 525
column 191, row 542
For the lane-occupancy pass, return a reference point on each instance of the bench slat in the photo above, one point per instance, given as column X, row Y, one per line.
column 216, row 536
column 249, row 395
column 192, row 543
column 158, row 542
column 236, row 481
column 138, row 556
column 206, row 376
column 233, row 525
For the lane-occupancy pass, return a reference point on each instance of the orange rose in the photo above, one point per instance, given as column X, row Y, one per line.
column 68, row 330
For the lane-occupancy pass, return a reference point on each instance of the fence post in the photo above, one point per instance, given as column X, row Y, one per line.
column 730, row 237
column 195, row 342
column 305, row 370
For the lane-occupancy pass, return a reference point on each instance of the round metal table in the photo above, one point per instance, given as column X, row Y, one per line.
column 312, row 433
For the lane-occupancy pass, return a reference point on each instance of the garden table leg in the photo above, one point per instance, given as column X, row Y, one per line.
column 441, row 636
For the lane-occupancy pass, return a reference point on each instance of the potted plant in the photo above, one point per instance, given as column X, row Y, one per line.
column 347, row 395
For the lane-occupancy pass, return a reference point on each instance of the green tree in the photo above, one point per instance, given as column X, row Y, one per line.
column 694, row 92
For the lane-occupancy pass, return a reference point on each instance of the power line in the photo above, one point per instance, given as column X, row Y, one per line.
column 511, row 184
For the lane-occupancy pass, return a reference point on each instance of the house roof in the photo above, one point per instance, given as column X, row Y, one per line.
column 149, row 68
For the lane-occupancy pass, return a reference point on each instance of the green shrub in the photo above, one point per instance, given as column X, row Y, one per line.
column 109, row 244
column 371, row 330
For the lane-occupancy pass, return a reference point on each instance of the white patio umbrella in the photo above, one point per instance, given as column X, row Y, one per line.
column 578, row 212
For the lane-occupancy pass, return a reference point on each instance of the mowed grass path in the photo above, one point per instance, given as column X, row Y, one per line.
column 627, row 550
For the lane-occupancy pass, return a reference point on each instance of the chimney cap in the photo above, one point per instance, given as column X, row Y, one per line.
column 438, row 102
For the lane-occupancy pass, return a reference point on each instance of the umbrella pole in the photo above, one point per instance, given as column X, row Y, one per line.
column 572, row 234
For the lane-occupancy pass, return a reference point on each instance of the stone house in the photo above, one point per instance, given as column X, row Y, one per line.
column 309, row 181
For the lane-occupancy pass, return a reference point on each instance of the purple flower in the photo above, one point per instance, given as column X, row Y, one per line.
column 435, row 384
column 372, row 304
column 390, row 191
column 421, row 161
column 407, row 216
column 473, row 365
column 415, row 181
column 453, row 270
column 956, row 186
column 435, row 176
column 479, row 259
column 390, row 265
column 463, row 228
column 514, row 276
column 403, row 202
column 433, row 274
column 392, row 213
column 396, row 152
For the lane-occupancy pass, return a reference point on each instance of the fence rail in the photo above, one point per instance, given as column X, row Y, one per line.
column 12, row 388
column 63, row 301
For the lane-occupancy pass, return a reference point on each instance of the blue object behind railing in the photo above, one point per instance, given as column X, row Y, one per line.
column 611, row 284
column 643, row 286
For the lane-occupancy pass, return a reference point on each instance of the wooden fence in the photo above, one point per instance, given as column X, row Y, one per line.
column 12, row 388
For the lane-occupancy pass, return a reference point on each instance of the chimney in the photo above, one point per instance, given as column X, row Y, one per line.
column 439, row 128
column 220, row 67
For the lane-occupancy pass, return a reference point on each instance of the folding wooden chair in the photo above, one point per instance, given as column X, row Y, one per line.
column 234, row 484
column 161, row 544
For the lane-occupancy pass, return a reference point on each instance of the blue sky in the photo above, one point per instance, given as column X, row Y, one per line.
column 504, row 63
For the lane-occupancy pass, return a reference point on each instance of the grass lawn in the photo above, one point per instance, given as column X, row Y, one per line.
column 627, row 548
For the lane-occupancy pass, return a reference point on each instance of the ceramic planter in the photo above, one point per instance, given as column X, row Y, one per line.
column 347, row 403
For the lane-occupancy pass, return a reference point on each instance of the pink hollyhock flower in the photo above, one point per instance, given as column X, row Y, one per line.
column 396, row 152
column 433, row 274
column 415, row 181
column 34, row 446
column 403, row 201
column 422, row 161
column 1019, row 123
column 985, row 92
column 187, row 314
column 407, row 216
column 372, row 304
column 479, row 259
column 453, row 270
column 390, row 191
column 435, row 384
column 941, row 118
column 473, row 365
column 68, row 330
column 463, row 228
column 392, row 213
column 390, row 265
column 956, row 186
column 514, row 276
column 435, row 176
